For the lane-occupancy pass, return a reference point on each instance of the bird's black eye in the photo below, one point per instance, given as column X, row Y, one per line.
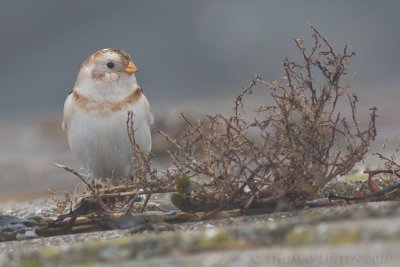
column 110, row 65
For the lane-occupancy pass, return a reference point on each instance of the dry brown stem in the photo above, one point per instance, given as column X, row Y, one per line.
column 77, row 174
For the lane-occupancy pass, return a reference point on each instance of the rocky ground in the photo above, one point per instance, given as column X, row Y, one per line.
column 350, row 235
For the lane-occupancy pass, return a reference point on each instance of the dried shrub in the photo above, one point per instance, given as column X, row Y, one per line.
column 303, row 140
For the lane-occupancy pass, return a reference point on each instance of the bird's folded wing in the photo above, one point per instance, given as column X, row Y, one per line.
column 67, row 111
column 149, row 115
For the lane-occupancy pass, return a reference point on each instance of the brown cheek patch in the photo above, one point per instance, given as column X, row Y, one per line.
column 105, row 107
column 97, row 75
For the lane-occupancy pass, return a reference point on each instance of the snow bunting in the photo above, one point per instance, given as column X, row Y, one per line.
column 96, row 113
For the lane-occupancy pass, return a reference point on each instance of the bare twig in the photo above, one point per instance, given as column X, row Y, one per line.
column 81, row 177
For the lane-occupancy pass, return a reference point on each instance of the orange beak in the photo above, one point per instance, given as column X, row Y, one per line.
column 131, row 68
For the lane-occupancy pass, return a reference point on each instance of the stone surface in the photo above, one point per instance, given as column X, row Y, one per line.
column 357, row 235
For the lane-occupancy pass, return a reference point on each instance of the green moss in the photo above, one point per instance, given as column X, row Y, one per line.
column 349, row 236
column 211, row 239
column 301, row 236
column 357, row 177
column 120, row 242
column 311, row 235
column 220, row 238
column 95, row 244
column 49, row 252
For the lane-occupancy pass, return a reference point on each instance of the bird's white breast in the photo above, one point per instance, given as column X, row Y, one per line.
column 99, row 136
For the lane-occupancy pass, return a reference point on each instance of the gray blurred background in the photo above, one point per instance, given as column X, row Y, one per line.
column 193, row 56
